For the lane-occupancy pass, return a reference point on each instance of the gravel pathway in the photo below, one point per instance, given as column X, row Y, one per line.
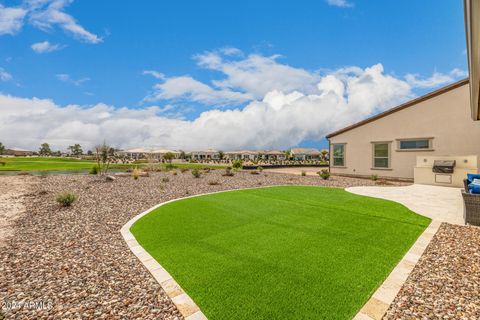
column 12, row 191
column 445, row 284
column 73, row 263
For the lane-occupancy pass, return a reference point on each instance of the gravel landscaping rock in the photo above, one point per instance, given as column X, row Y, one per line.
column 11, row 203
column 445, row 284
column 72, row 262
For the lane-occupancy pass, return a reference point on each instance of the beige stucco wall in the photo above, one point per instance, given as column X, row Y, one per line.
column 446, row 118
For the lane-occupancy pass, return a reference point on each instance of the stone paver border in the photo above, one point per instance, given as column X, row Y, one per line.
column 374, row 309
column 185, row 305
column 377, row 306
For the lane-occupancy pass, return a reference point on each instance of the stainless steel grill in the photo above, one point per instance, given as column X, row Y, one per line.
column 443, row 166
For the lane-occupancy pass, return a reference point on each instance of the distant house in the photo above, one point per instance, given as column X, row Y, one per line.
column 209, row 154
column 272, row 155
column 18, row 152
column 305, row 154
column 144, row 153
column 242, row 155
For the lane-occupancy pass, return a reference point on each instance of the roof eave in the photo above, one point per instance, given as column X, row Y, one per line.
column 472, row 31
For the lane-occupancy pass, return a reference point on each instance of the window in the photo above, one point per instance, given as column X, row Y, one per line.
column 381, row 153
column 414, row 144
column 339, row 155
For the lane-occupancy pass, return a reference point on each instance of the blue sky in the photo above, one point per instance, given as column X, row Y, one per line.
column 102, row 59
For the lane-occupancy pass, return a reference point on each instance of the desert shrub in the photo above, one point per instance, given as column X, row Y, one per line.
column 165, row 180
column 213, row 183
column 66, row 199
column 260, row 169
column 254, row 172
column 228, row 172
column 237, row 164
column 304, row 173
column 374, row 177
column 183, row 170
column 94, row 170
column 136, row 173
column 196, row 173
column 324, row 174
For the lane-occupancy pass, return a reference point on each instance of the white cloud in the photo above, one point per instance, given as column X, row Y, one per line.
column 155, row 74
column 187, row 88
column 340, row 3
column 257, row 74
column 277, row 120
column 48, row 13
column 11, row 19
column 231, row 51
column 459, row 73
column 4, row 75
column 45, row 47
column 436, row 79
column 245, row 79
column 44, row 15
column 66, row 78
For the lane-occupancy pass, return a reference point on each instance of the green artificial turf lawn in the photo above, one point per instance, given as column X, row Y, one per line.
column 293, row 252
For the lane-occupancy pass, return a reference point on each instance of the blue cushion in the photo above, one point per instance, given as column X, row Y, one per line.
column 474, row 188
column 471, row 176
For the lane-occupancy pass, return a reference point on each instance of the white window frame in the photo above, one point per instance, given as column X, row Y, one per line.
column 344, row 145
column 388, row 157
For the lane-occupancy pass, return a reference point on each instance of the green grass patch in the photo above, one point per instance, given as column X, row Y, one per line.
column 71, row 164
column 50, row 164
column 282, row 252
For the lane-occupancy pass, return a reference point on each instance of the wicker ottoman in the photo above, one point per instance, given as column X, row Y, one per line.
column 472, row 208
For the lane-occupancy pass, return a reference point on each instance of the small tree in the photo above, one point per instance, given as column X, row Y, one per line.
column 237, row 164
column 45, row 149
column 2, row 148
column 288, row 154
column 221, row 155
column 324, row 155
column 324, row 174
column 169, row 156
column 103, row 157
column 76, row 150
column 182, row 155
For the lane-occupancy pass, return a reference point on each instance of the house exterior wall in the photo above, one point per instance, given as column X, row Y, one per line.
column 444, row 118
column 18, row 153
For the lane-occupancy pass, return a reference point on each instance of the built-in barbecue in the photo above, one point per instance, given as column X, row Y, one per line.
column 444, row 170
column 443, row 166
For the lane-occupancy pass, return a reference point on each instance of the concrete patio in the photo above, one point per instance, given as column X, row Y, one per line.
column 443, row 204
